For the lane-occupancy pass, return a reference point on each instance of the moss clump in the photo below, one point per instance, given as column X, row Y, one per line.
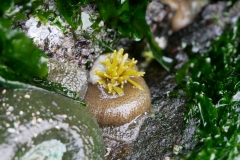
column 211, row 82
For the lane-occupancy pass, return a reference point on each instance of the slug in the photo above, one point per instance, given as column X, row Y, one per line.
column 117, row 93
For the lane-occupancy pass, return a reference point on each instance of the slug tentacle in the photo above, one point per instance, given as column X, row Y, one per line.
column 118, row 71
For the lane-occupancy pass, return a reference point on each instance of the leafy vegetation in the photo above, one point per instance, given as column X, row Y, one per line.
column 212, row 82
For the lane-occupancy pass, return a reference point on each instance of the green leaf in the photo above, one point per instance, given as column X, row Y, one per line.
column 19, row 57
column 71, row 11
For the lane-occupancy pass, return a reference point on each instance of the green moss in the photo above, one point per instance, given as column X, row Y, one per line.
column 211, row 82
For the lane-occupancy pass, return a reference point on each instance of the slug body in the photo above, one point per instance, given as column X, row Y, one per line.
column 116, row 99
column 114, row 109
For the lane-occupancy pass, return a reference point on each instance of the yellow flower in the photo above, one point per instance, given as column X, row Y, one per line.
column 118, row 71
